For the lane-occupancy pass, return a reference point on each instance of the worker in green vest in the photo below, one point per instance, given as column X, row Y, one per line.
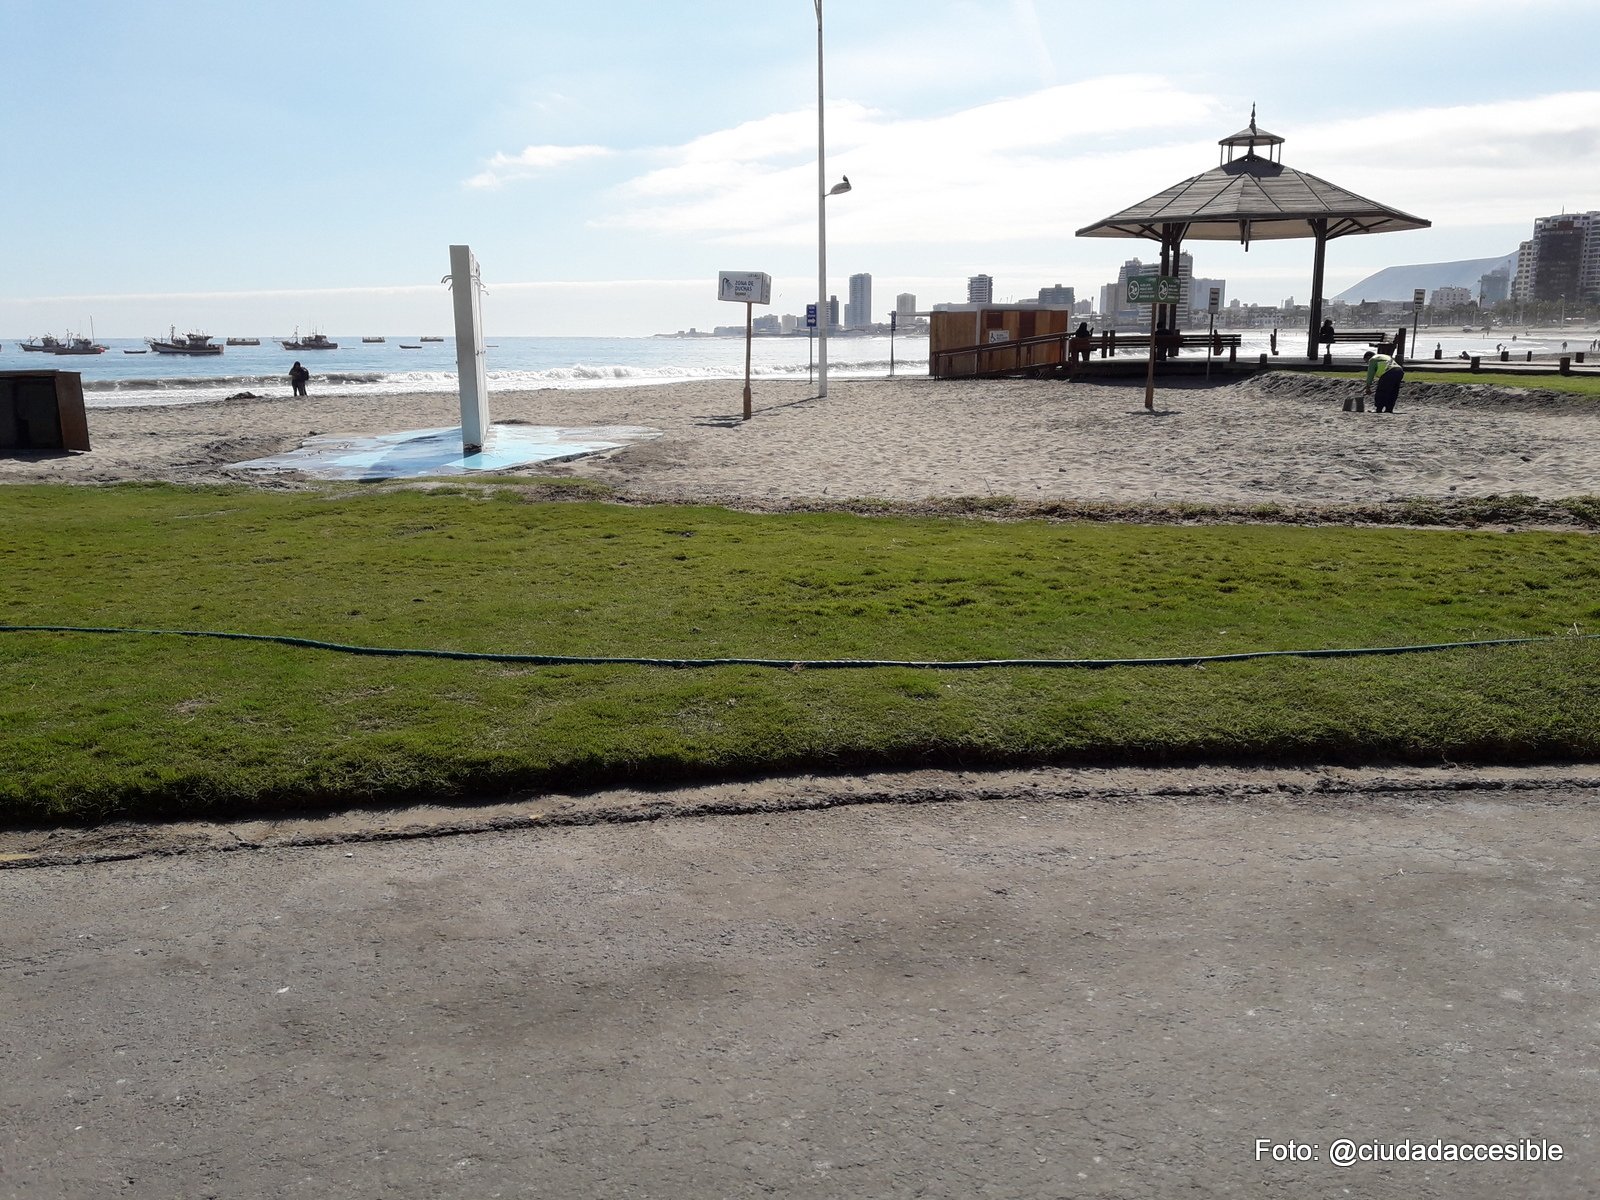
column 1386, row 371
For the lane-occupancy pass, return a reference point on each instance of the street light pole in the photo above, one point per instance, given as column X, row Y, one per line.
column 822, row 228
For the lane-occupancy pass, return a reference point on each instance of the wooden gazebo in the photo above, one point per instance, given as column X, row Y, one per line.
column 1254, row 197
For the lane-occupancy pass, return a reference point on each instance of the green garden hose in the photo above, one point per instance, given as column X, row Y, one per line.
column 792, row 664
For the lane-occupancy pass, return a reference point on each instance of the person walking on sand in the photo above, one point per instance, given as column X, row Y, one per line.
column 1389, row 375
column 297, row 378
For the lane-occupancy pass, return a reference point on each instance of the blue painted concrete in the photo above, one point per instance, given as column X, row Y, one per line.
column 418, row 452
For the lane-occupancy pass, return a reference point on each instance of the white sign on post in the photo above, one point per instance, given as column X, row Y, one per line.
column 1216, row 301
column 747, row 287
column 1416, row 297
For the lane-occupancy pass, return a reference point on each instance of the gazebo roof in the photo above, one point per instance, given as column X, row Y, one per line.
column 1253, row 198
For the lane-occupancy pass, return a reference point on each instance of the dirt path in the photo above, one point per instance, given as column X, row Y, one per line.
column 1105, row 984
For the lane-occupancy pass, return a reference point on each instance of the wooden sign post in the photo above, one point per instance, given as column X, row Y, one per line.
column 749, row 336
column 1211, row 332
column 1417, row 297
column 1154, row 290
column 752, row 288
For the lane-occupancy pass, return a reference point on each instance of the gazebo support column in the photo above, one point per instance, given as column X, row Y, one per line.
column 1163, row 320
column 1319, row 231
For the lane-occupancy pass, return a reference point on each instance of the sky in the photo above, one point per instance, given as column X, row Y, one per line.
column 252, row 168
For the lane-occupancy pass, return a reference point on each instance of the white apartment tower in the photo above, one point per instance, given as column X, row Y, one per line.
column 980, row 289
column 1186, row 303
column 858, row 309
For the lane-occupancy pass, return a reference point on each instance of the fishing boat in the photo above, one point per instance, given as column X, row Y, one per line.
column 371, row 341
column 46, row 344
column 136, row 352
column 79, row 345
column 432, row 339
column 244, row 341
column 192, row 344
column 410, row 346
column 311, row 341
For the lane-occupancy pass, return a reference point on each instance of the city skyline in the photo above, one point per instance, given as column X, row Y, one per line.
column 604, row 173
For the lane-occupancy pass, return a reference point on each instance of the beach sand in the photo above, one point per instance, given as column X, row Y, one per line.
column 1280, row 438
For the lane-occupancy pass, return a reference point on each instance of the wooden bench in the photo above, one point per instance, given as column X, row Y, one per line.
column 1376, row 338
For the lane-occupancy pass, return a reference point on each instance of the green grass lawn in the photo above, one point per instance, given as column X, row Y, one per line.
column 96, row 725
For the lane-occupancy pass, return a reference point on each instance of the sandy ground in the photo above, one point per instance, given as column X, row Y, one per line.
column 1075, row 985
column 1280, row 438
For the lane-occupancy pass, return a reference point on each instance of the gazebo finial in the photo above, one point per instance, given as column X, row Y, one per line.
column 1248, row 138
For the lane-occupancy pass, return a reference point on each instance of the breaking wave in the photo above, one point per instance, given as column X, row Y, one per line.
column 124, row 393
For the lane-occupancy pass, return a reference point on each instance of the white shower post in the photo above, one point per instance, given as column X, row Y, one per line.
column 472, row 380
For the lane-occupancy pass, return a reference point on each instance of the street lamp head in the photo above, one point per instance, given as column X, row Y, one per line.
column 840, row 188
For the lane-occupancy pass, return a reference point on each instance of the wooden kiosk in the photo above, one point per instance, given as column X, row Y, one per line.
column 42, row 410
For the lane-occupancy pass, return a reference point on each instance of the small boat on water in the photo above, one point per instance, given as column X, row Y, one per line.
column 244, row 341
column 136, row 352
column 311, row 341
column 79, row 345
column 433, row 339
column 410, row 345
column 192, row 344
column 46, row 344
column 371, row 341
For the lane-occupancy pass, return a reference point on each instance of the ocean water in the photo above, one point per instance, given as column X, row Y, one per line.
column 115, row 379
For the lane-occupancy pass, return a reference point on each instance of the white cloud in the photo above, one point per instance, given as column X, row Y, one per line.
column 532, row 161
column 1006, row 169
column 1470, row 164
column 1039, row 166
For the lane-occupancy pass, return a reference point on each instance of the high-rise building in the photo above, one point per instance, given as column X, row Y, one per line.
column 1058, row 295
column 1185, row 314
column 980, row 289
column 833, row 313
column 1200, row 299
column 1494, row 287
column 1522, row 276
column 858, row 310
column 1450, row 296
column 1562, row 259
column 1119, row 309
column 905, row 306
column 1560, row 245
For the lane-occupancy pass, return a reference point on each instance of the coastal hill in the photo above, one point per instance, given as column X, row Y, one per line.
column 1397, row 283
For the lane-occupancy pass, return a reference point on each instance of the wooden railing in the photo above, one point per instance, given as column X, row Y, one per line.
column 1025, row 354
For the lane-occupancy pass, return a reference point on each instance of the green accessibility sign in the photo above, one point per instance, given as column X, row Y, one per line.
column 1153, row 289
